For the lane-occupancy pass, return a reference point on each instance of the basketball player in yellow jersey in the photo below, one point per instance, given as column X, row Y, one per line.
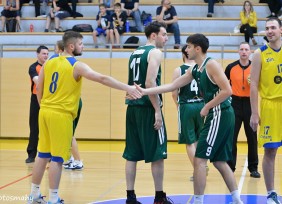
column 266, row 78
column 58, row 93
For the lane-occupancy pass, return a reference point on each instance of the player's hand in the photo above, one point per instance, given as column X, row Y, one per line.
column 254, row 122
column 158, row 120
column 133, row 93
column 140, row 89
column 204, row 112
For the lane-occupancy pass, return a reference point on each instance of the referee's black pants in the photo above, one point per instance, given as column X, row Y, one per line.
column 242, row 110
column 33, row 126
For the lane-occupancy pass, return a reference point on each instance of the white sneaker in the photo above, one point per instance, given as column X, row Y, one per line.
column 273, row 198
column 39, row 200
column 67, row 163
column 75, row 165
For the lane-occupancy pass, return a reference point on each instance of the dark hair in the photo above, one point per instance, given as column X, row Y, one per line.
column 71, row 37
column 117, row 4
column 41, row 47
column 274, row 19
column 102, row 5
column 183, row 51
column 200, row 40
column 154, row 27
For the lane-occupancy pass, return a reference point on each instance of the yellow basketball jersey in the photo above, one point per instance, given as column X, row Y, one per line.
column 61, row 91
column 270, row 86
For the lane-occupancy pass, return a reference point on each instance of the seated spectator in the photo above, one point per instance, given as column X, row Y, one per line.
column 211, row 6
column 11, row 9
column 132, row 10
column 248, row 22
column 166, row 13
column 274, row 7
column 103, row 24
column 61, row 10
column 109, row 5
column 118, row 24
column 73, row 8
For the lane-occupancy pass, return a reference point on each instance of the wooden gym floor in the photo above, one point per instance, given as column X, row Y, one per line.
column 103, row 181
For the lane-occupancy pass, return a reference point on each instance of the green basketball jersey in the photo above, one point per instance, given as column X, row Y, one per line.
column 189, row 93
column 138, row 66
column 208, row 89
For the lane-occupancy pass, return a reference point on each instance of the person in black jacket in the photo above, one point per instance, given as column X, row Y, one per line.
column 60, row 10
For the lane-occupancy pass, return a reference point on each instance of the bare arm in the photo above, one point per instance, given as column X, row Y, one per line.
column 35, row 80
column 176, row 84
column 154, row 62
column 217, row 75
column 160, row 17
column 82, row 69
column 255, row 76
column 40, row 85
column 173, row 20
column 176, row 74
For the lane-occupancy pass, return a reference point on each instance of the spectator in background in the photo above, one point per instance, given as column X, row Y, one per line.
column 103, row 24
column 61, row 10
column 274, row 7
column 211, row 6
column 118, row 19
column 166, row 13
column 238, row 74
column 11, row 9
column 109, row 5
column 248, row 22
column 132, row 10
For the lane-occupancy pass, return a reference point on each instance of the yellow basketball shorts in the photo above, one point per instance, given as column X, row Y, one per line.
column 270, row 134
column 55, row 134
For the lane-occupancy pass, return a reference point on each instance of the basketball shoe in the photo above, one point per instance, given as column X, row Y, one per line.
column 163, row 200
column 68, row 162
column 273, row 198
column 60, row 201
column 75, row 165
column 39, row 200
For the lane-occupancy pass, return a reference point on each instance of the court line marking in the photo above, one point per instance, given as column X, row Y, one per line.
column 171, row 195
column 16, row 181
column 243, row 176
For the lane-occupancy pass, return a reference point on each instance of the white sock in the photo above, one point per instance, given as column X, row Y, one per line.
column 269, row 192
column 53, row 195
column 235, row 196
column 198, row 199
column 35, row 190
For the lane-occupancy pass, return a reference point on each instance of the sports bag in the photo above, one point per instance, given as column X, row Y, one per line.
column 82, row 28
column 131, row 42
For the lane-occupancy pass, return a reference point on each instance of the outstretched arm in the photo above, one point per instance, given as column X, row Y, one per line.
column 178, row 83
column 82, row 69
